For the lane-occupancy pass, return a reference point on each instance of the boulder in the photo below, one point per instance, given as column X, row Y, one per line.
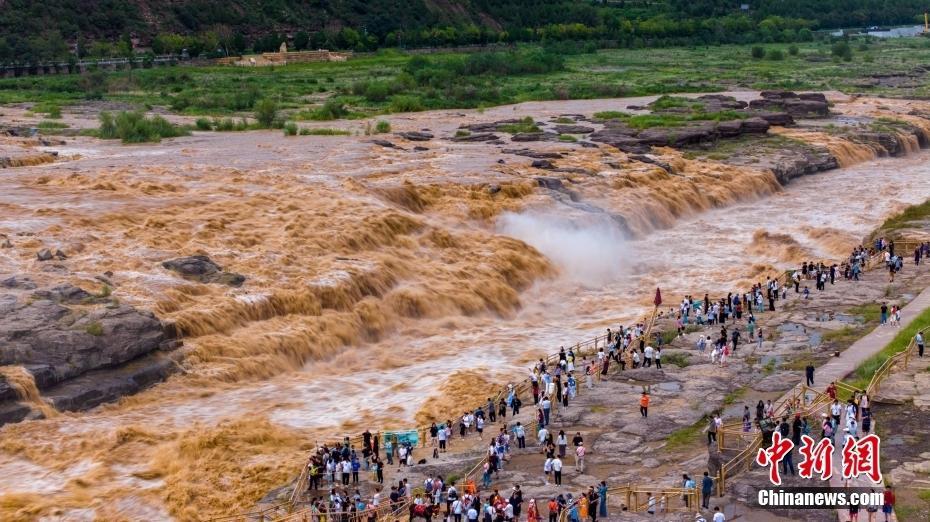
column 66, row 293
column 813, row 96
column 549, row 183
column 542, row 164
column 416, row 136
column 486, row 136
column 44, row 255
column 573, row 129
column 778, row 95
column 731, row 128
column 203, row 269
column 535, row 154
column 386, row 144
column 678, row 136
column 642, row 158
column 754, row 126
column 779, row 119
column 6, row 243
column 809, row 108
column 79, row 357
column 534, row 136
column 18, row 283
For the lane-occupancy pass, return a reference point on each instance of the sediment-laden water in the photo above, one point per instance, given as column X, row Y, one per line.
column 382, row 285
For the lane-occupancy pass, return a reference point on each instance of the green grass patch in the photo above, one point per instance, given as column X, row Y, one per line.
column 324, row 132
column 51, row 125
column 861, row 377
column 290, row 129
column 95, row 329
column 678, row 359
column 686, row 437
column 568, row 138
column 382, row 127
column 611, row 115
column 525, row 125
column 905, row 219
column 669, row 102
column 734, row 396
column 135, row 127
column 564, row 120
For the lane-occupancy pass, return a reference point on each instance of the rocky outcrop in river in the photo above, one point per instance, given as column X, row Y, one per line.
column 81, row 350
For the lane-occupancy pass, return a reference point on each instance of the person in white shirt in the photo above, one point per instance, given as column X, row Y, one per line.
column 718, row 515
column 542, row 435
column 472, row 515
column 648, row 354
column 557, row 470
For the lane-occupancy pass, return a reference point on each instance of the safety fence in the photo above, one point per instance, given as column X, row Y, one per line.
column 801, row 399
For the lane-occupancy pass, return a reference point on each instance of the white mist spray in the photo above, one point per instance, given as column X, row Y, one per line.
column 590, row 250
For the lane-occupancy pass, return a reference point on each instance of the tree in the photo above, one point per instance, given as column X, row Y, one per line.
column 301, row 40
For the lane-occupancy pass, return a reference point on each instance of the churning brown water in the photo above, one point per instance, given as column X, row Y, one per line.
column 377, row 278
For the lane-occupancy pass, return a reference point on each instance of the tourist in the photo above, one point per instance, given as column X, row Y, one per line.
column 547, row 469
column 579, row 457
column 707, row 488
column 884, row 314
column 718, row 515
column 602, row 499
column 919, row 339
column 809, row 372
column 532, row 512
column 888, row 504
column 712, row 430
column 644, row 405
column 556, row 466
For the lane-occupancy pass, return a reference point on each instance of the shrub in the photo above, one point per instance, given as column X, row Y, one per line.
column 203, row 124
column 775, row 54
column 51, row 125
column 382, row 127
column 331, row 110
column 404, row 103
column 758, row 52
column 290, row 129
column 95, row 329
column 135, row 127
column 266, row 111
column 54, row 112
column 567, row 138
column 793, row 50
column 842, row 50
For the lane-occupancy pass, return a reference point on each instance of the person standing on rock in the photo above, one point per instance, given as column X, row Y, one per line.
column 602, row 499
column 557, row 470
column 919, row 339
column 712, row 430
column 644, row 404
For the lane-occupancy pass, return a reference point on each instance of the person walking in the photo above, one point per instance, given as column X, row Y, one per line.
column 712, row 430
column 809, row 371
column 644, row 404
column 707, row 488
column 919, row 339
column 557, row 470
column 579, row 457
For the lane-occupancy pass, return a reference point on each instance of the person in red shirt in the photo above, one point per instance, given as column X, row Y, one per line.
column 831, row 391
column 888, row 504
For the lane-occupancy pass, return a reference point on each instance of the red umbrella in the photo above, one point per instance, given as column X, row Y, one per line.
column 658, row 300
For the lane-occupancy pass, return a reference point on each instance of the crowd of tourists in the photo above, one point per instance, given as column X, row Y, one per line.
column 553, row 387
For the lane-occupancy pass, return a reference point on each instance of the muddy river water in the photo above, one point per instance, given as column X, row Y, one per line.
column 422, row 287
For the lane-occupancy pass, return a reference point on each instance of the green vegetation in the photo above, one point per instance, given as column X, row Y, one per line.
column 105, row 291
column 525, row 125
column 51, row 125
column 135, row 127
column 382, row 127
column 95, row 329
column 568, row 138
column 907, row 218
column 461, row 133
column 203, row 124
column 668, row 102
column 678, row 359
column 842, row 50
column 685, row 437
column 775, row 54
column 758, row 52
column 290, row 129
column 734, row 396
column 266, row 111
column 870, row 313
column 863, row 374
column 324, row 132
column 769, row 367
column 390, row 81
